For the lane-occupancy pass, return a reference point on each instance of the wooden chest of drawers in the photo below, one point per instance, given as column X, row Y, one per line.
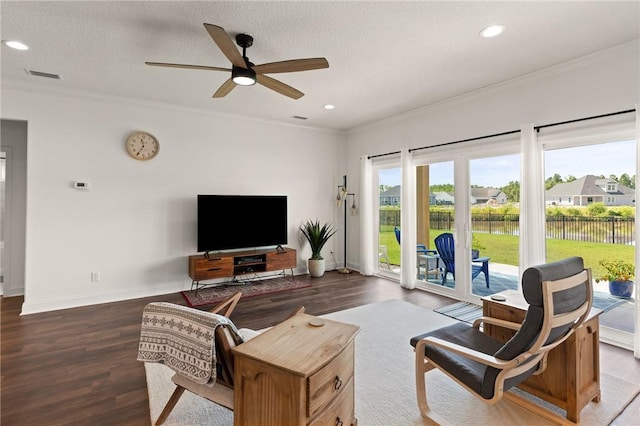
column 296, row 374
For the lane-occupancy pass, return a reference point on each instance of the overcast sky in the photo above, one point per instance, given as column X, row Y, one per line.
column 604, row 159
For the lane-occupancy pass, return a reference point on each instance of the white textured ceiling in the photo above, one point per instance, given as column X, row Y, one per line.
column 385, row 57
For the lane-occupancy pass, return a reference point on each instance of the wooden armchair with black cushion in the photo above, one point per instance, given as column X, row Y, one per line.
column 560, row 297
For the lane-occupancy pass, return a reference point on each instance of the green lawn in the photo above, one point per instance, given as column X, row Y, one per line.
column 504, row 249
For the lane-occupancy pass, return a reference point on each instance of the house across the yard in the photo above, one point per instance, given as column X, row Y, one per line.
column 590, row 189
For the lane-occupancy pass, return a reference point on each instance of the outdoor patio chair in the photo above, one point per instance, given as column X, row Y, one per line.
column 445, row 245
column 420, row 248
column 560, row 297
column 383, row 256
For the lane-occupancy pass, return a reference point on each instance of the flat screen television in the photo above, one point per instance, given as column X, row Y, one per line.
column 228, row 222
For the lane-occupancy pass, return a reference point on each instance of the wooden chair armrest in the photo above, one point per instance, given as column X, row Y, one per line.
column 298, row 310
column 469, row 353
column 229, row 304
column 496, row 322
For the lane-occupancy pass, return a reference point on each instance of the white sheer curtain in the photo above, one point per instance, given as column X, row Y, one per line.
column 408, row 221
column 367, row 253
column 636, row 335
column 532, row 214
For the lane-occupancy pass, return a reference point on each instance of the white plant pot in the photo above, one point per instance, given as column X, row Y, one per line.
column 316, row 267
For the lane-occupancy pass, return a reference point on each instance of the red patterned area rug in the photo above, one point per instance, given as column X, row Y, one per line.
column 211, row 295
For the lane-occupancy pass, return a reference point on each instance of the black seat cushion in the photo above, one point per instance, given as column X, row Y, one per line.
column 469, row 372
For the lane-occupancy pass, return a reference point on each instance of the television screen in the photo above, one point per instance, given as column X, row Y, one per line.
column 241, row 221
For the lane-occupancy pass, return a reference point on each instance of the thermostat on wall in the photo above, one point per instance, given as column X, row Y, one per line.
column 81, row 185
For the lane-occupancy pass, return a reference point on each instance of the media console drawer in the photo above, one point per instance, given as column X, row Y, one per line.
column 214, row 267
column 279, row 260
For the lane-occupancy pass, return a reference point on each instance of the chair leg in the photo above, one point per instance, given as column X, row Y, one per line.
column 485, row 269
column 175, row 397
column 422, row 367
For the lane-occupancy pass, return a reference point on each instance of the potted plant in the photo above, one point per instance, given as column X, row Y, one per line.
column 620, row 275
column 475, row 247
column 317, row 235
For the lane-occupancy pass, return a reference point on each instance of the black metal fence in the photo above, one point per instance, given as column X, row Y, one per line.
column 613, row 230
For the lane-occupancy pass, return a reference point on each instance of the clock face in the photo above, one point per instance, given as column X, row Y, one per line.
column 142, row 145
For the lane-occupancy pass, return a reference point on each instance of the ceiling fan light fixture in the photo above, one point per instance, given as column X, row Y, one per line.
column 243, row 76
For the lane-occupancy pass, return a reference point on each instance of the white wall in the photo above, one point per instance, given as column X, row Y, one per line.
column 137, row 223
column 598, row 84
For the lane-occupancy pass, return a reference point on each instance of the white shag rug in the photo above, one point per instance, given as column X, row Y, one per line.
column 385, row 383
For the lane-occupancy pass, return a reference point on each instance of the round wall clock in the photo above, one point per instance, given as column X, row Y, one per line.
column 142, row 145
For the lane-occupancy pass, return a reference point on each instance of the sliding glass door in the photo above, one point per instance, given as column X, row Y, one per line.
column 388, row 188
column 495, row 223
column 436, row 218
column 590, row 208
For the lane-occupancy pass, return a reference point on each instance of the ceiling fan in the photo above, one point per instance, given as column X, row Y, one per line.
column 244, row 72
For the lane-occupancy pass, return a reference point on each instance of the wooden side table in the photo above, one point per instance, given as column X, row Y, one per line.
column 299, row 372
column 572, row 377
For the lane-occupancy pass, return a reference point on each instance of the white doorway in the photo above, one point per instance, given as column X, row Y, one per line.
column 3, row 195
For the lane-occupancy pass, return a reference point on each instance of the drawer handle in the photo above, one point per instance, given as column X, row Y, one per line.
column 338, row 383
column 214, row 269
column 339, row 421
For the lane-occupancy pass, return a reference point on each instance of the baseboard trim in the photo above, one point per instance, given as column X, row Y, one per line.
column 29, row 308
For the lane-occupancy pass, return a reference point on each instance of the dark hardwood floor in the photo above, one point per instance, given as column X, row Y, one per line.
column 78, row 366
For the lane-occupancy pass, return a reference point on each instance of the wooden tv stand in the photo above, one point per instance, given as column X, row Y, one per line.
column 239, row 263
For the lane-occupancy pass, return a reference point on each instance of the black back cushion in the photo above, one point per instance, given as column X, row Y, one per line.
column 564, row 301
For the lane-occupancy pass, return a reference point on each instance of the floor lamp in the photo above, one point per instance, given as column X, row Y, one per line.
column 341, row 198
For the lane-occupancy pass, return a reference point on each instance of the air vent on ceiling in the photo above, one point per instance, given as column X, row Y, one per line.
column 43, row 74
column 299, row 117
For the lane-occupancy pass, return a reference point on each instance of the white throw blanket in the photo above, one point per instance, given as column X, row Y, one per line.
column 183, row 339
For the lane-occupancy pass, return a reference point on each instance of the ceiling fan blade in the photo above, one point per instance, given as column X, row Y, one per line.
column 279, row 86
column 293, row 65
column 195, row 67
column 226, row 45
column 224, row 90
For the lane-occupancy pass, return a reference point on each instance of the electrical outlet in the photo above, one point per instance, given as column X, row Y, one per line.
column 95, row 276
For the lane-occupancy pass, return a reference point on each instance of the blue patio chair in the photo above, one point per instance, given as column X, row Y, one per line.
column 446, row 249
column 421, row 249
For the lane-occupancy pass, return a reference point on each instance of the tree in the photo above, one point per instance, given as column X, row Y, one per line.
column 627, row 181
column 552, row 181
column 512, row 191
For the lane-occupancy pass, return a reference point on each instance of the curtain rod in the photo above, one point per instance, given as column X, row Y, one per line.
column 583, row 119
column 537, row 128
column 467, row 140
column 383, row 155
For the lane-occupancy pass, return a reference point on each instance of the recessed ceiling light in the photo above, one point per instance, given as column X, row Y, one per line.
column 329, row 106
column 492, row 31
column 14, row 44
